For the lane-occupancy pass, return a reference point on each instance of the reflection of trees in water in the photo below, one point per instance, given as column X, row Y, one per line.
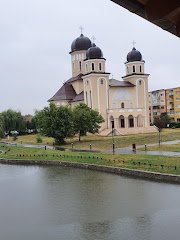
column 143, row 226
column 99, row 202
column 74, row 194
column 96, row 230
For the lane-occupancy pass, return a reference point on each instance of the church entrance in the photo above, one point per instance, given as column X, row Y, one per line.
column 131, row 121
column 121, row 122
column 112, row 122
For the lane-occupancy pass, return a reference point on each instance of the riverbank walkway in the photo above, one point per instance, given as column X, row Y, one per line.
column 129, row 150
column 125, row 150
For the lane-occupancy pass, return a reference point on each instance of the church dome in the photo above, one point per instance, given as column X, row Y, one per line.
column 94, row 52
column 134, row 55
column 81, row 43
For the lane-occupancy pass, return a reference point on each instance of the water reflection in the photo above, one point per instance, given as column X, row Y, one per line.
column 101, row 230
column 52, row 203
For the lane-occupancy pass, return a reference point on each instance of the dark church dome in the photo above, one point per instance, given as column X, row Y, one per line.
column 94, row 52
column 134, row 56
column 81, row 43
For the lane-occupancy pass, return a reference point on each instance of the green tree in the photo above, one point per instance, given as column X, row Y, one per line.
column 56, row 122
column 1, row 126
column 86, row 120
column 165, row 119
column 161, row 122
column 12, row 121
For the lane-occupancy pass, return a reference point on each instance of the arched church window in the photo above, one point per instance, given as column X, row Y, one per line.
column 100, row 67
column 122, row 105
column 87, row 82
column 86, row 67
column 140, row 82
column 134, row 69
column 140, row 68
column 102, row 81
column 92, row 66
column 80, row 66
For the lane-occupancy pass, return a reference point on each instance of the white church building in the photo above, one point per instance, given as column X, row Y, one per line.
column 123, row 104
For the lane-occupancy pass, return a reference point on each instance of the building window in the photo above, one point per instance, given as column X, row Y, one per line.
column 122, row 105
column 87, row 82
column 92, row 66
column 134, row 69
column 127, row 70
column 80, row 66
column 86, row 67
column 140, row 68
column 140, row 82
column 102, row 81
column 100, row 67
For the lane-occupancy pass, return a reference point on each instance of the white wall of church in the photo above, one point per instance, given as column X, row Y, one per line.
column 78, row 86
column 118, row 95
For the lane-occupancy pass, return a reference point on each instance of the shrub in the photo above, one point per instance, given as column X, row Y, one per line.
column 174, row 125
column 38, row 139
column 14, row 137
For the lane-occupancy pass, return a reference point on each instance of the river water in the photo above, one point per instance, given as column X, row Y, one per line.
column 55, row 203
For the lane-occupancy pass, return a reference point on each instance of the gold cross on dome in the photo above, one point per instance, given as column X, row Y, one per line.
column 93, row 39
column 133, row 43
column 81, row 28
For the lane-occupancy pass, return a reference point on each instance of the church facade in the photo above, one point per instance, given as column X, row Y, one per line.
column 123, row 104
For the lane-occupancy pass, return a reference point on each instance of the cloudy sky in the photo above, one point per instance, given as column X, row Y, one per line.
column 35, row 40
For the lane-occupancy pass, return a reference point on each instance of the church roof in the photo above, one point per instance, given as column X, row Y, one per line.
column 66, row 92
column 79, row 97
column 134, row 55
column 81, row 43
column 78, row 77
column 117, row 83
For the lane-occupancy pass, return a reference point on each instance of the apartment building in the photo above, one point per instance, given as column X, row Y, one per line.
column 165, row 100
column 173, row 103
column 157, row 103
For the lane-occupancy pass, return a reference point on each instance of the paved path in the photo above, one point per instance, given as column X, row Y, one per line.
column 27, row 145
column 128, row 150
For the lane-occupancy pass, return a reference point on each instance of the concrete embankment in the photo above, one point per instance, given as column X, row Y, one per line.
column 121, row 171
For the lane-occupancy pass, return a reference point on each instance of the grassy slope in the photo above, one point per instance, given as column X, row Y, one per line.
column 105, row 143
column 164, row 148
column 125, row 161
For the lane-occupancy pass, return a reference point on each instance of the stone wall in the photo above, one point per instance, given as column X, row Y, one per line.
column 120, row 171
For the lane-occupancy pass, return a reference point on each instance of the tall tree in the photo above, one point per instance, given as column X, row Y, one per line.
column 56, row 122
column 165, row 119
column 86, row 120
column 161, row 122
column 1, row 126
column 12, row 121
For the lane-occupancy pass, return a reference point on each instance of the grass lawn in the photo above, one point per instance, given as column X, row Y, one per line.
column 105, row 143
column 142, row 162
column 164, row 148
column 30, row 139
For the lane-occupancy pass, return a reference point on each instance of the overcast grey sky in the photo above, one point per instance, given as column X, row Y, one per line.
column 35, row 40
